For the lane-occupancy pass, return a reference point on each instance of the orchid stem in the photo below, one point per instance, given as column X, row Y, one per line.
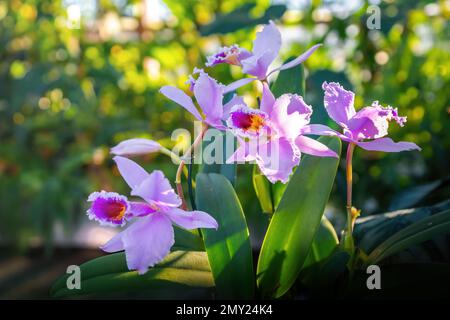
column 190, row 187
column 182, row 167
column 349, row 244
column 176, row 159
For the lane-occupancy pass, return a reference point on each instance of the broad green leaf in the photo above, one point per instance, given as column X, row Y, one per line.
column 108, row 274
column 325, row 241
column 187, row 240
column 316, row 271
column 372, row 230
column 290, row 81
column 294, row 224
column 278, row 189
column 228, row 248
column 418, row 232
column 241, row 18
column 263, row 190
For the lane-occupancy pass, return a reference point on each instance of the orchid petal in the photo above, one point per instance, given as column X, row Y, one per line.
column 157, row 190
column 322, row 130
column 146, row 242
column 267, row 99
column 131, row 172
column 243, row 153
column 314, row 147
column 257, row 65
column 388, row 145
column 140, row 209
column 297, row 60
column 297, row 104
column 369, row 123
column 267, row 40
column 237, row 84
column 191, row 219
column 339, row 103
column 209, row 95
column 278, row 160
column 373, row 122
column 114, row 244
column 287, row 124
column 182, row 99
column 136, row 146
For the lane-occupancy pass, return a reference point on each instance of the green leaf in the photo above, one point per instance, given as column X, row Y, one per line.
column 325, row 260
column 240, row 19
column 187, row 240
column 372, row 230
column 228, row 248
column 263, row 190
column 108, row 274
column 278, row 189
column 294, row 224
column 290, row 81
column 416, row 233
column 324, row 243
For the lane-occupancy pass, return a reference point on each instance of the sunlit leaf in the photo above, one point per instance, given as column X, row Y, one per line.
column 228, row 248
column 180, row 270
column 295, row 222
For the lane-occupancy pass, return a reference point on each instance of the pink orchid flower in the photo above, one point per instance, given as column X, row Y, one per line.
column 366, row 128
column 272, row 136
column 266, row 47
column 149, row 238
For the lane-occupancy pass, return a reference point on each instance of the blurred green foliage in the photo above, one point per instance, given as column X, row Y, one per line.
column 67, row 94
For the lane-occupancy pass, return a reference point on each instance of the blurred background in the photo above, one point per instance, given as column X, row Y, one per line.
column 79, row 76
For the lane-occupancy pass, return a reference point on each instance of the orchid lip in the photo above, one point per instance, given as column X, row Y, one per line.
column 229, row 55
column 247, row 121
column 108, row 208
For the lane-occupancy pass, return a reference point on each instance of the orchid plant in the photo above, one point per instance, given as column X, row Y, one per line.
column 210, row 244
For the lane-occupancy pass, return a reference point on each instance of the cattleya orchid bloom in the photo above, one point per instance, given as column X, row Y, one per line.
column 266, row 47
column 369, row 123
column 209, row 95
column 272, row 136
column 149, row 238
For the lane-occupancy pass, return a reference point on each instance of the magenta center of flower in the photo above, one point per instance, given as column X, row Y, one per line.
column 115, row 210
column 112, row 210
column 248, row 122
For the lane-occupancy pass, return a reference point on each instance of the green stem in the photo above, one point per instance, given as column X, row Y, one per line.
column 190, row 187
column 348, row 237
column 175, row 158
column 182, row 166
column 349, row 174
